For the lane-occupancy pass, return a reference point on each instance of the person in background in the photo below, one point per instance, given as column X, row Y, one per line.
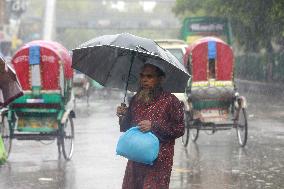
column 160, row 112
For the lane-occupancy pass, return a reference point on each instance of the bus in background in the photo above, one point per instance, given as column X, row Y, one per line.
column 194, row 28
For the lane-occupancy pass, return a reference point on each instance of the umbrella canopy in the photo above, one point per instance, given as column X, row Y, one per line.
column 10, row 88
column 116, row 61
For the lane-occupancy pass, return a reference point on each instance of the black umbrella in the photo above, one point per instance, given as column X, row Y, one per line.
column 10, row 88
column 116, row 61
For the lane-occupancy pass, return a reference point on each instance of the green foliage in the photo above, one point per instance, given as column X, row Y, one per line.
column 253, row 66
column 256, row 23
column 71, row 39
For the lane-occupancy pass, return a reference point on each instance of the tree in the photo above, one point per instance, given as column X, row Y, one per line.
column 256, row 24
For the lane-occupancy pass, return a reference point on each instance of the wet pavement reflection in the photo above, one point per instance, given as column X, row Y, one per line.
column 219, row 163
column 215, row 161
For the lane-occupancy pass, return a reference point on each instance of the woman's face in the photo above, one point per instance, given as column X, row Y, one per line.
column 149, row 78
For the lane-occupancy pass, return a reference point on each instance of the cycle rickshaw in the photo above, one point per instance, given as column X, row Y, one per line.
column 45, row 111
column 81, row 86
column 212, row 101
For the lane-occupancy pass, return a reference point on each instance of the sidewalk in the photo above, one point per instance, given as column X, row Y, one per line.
column 264, row 99
column 262, row 87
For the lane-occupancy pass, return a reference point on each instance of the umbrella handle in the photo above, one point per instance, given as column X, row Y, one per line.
column 132, row 60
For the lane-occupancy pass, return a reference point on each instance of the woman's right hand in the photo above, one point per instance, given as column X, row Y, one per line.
column 121, row 110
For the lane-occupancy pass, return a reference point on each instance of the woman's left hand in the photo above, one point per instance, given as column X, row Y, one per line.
column 145, row 125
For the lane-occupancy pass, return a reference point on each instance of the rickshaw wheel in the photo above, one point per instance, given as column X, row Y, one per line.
column 194, row 133
column 6, row 134
column 241, row 125
column 67, row 138
column 185, row 137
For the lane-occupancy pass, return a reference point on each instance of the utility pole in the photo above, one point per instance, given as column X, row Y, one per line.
column 3, row 16
column 2, row 12
column 49, row 21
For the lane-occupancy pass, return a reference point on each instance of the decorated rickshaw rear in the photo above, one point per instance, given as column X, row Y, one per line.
column 45, row 111
column 213, row 102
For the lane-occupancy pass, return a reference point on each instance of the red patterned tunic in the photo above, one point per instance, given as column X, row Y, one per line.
column 166, row 113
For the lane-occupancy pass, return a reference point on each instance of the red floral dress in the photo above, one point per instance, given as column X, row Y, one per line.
column 166, row 113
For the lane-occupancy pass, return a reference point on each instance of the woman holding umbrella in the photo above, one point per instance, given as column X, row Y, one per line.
column 160, row 112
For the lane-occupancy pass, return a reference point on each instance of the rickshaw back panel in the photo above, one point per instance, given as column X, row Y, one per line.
column 211, row 87
column 45, row 73
column 45, row 111
column 213, row 102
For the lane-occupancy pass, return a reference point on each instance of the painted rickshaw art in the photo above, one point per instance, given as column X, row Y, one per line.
column 45, row 111
column 213, row 102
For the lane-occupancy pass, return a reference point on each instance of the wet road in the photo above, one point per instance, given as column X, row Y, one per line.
column 215, row 162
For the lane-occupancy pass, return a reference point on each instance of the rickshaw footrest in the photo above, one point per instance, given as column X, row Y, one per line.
column 41, row 136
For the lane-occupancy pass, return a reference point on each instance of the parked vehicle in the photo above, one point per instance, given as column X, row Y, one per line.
column 81, row 86
column 213, row 102
column 175, row 46
column 45, row 111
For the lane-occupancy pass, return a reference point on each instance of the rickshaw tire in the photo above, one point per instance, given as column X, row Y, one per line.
column 59, row 146
column 5, row 120
column 191, row 133
column 194, row 138
column 185, row 137
column 67, row 153
column 244, row 140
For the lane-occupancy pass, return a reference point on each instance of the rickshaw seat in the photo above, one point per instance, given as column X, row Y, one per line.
column 207, row 95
